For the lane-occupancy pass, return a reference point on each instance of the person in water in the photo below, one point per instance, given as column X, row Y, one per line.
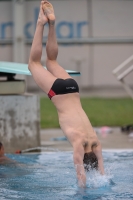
column 64, row 93
column 3, row 158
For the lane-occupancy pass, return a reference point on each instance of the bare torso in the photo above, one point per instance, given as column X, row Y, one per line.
column 73, row 120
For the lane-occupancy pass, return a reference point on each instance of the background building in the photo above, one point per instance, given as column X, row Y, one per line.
column 94, row 36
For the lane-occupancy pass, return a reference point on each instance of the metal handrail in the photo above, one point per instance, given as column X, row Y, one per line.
column 121, row 66
column 122, row 71
column 125, row 73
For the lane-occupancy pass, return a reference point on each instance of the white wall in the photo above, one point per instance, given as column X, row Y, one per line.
column 112, row 18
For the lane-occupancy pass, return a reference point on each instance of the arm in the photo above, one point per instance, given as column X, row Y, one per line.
column 6, row 160
column 78, row 156
column 98, row 152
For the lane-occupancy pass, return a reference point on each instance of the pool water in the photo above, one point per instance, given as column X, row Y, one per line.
column 51, row 176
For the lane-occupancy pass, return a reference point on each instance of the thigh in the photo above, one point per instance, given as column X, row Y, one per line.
column 42, row 77
column 55, row 69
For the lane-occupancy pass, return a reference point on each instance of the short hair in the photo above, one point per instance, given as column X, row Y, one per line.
column 90, row 161
column 1, row 145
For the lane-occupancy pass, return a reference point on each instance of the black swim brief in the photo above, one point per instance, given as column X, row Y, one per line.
column 63, row 86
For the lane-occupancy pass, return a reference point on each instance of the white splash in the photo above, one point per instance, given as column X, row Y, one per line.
column 96, row 180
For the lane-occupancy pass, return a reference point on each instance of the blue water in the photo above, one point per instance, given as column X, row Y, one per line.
column 51, row 176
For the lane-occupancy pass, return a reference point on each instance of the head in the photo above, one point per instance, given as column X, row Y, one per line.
column 1, row 149
column 90, row 161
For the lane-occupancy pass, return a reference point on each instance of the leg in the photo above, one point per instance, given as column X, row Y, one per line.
column 43, row 78
column 52, row 46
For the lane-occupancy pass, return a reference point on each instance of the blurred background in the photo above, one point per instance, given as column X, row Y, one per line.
column 94, row 36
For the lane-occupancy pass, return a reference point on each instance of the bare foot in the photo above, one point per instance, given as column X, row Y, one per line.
column 42, row 18
column 49, row 11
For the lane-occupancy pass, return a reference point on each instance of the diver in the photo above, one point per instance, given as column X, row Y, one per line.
column 64, row 93
column 3, row 158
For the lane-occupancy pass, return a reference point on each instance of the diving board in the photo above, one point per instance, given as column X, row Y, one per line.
column 20, row 68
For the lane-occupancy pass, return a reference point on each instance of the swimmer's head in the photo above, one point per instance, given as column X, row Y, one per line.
column 1, row 149
column 90, row 161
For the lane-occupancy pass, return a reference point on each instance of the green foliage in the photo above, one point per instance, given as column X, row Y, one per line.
column 101, row 112
column 49, row 117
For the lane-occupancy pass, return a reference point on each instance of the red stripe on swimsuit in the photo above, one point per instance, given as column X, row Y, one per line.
column 51, row 93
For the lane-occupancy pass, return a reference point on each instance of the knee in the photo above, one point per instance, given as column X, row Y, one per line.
column 30, row 64
column 50, row 63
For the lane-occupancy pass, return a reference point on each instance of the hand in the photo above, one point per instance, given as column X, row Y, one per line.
column 42, row 17
column 82, row 181
column 81, row 176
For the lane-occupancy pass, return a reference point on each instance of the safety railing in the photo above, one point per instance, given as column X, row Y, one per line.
column 122, row 71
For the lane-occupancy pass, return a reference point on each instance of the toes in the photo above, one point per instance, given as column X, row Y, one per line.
column 46, row 2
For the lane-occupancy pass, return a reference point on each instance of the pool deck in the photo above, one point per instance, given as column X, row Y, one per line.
column 54, row 138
